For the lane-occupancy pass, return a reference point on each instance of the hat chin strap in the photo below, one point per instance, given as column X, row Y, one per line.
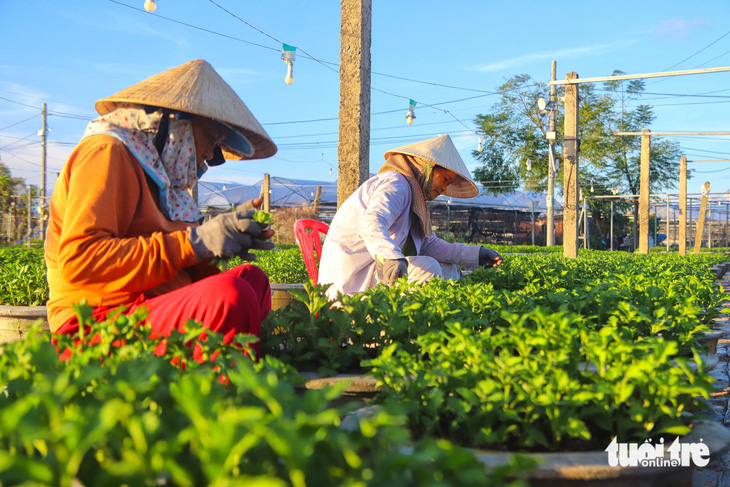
column 163, row 131
column 217, row 158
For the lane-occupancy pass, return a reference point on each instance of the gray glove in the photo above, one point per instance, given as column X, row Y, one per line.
column 391, row 269
column 226, row 235
column 489, row 257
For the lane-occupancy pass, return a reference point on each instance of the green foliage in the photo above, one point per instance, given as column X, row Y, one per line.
column 24, row 277
column 648, row 296
column 115, row 413
column 615, row 160
column 543, row 352
column 284, row 266
column 262, row 217
column 515, row 131
column 546, row 382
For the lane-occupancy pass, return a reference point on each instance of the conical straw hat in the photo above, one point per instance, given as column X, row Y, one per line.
column 196, row 88
column 442, row 152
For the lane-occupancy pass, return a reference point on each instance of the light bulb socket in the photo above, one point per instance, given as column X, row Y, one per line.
column 410, row 116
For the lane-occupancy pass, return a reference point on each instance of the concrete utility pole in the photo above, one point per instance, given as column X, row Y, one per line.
column 682, row 206
column 644, row 193
column 43, row 175
column 353, row 150
column 551, row 163
column 571, row 146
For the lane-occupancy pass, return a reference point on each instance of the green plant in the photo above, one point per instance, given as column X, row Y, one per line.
column 284, row 266
column 114, row 412
column 261, row 217
column 24, row 277
column 546, row 382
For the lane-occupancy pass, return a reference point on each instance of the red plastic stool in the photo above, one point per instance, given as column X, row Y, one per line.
column 307, row 233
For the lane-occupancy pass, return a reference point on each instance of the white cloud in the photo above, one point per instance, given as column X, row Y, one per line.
column 511, row 64
column 677, row 28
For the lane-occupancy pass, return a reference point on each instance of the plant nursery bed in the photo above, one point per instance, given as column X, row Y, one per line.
column 15, row 321
column 358, row 387
column 592, row 468
column 280, row 296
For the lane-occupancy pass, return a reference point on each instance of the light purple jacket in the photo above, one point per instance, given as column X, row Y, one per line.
column 375, row 220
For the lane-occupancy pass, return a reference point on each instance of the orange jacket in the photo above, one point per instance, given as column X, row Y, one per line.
column 107, row 240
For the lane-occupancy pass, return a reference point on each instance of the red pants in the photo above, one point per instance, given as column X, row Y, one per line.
column 235, row 301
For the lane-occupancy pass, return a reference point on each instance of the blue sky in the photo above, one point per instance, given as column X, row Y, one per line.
column 450, row 55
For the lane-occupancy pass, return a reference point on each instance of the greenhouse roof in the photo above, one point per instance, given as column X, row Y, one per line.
column 297, row 192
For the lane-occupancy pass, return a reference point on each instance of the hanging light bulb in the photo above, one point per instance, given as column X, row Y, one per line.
column 479, row 147
column 224, row 186
column 529, row 164
column 591, row 185
column 150, row 5
column 287, row 55
column 410, row 116
column 330, row 171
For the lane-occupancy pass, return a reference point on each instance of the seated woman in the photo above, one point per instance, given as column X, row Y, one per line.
column 124, row 228
column 383, row 230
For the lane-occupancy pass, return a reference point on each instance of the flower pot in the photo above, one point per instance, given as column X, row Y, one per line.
column 710, row 339
column 591, row 468
column 719, row 270
column 359, row 388
column 15, row 321
column 280, row 295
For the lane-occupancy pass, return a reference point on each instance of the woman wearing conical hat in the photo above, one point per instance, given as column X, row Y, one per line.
column 124, row 229
column 383, row 230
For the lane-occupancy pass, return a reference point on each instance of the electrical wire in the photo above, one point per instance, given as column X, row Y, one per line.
column 18, row 140
column 693, row 55
column 18, row 123
column 18, row 103
column 195, row 27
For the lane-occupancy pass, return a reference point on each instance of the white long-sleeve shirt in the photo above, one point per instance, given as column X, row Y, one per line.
column 376, row 220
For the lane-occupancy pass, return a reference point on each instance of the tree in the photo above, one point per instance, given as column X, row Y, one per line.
column 616, row 160
column 514, row 132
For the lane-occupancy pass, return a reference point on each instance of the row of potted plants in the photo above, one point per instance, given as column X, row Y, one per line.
column 541, row 354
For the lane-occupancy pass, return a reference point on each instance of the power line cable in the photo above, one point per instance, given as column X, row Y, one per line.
column 18, row 140
column 18, row 123
column 18, row 103
column 693, row 55
column 272, row 37
column 195, row 27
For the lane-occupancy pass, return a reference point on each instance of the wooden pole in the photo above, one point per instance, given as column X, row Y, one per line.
column 570, row 170
column 644, row 193
column 709, row 224
column 353, row 150
column 682, row 206
column 317, row 200
column 701, row 220
column 266, row 193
